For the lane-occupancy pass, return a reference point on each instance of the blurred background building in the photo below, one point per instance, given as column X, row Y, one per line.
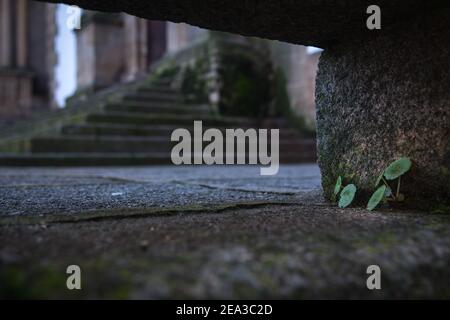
column 63, row 99
column 111, row 48
column 27, row 58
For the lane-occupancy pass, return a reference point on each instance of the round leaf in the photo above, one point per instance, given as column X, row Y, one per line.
column 397, row 168
column 338, row 186
column 347, row 196
column 376, row 197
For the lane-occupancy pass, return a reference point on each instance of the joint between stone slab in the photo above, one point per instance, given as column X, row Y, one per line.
column 117, row 214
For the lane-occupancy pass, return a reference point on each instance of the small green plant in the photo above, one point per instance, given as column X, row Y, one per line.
column 347, row 195
column 337, row 188
column 384, row 193
column 377, row 197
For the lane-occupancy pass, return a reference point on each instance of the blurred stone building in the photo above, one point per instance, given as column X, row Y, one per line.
column 112, row 48
column 27, row 57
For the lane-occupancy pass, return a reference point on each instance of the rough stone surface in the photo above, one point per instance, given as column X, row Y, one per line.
column 32, row 191
column 308, row 22
column 208, row 232
column 386, row 98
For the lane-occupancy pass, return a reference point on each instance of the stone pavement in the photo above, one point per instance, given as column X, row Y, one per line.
column 208, row 232
column 35, row 191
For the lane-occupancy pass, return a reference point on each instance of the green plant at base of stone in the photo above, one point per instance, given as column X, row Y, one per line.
column 377, row 197
column 384, row 193
column 337, row 188
column 347, row 195
column 397, row 168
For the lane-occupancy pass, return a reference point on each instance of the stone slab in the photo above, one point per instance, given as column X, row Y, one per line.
column 296, row 251
column 39, row 191
column 208, row 232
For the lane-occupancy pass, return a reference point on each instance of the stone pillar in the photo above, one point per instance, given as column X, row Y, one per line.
column 156, row 40
column 51, row 55
column 136, row 62
column 41, row 53
column 15, row 80
column 100, row 50
column 21, row 33
column 384, row 98
column 27, row 57
column 5, row 33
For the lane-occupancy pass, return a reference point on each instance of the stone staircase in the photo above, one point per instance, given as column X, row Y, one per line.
column 136, row 130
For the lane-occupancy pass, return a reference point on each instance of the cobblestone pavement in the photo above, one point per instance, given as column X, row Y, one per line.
column 208, row 232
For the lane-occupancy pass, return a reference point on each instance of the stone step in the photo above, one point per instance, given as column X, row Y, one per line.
column 156, row 89
column 112, row 159
column 134, row 144
column 182, row 120
column 161, row 82
column 146, row 131
column 156, row 108
column 154, row 96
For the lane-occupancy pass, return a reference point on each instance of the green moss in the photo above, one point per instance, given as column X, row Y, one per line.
column 15, row 146
column 165, row 72
column 32, row 283
column 194, row 84
column 100, row 278
column 246, row 86
column 441, row 209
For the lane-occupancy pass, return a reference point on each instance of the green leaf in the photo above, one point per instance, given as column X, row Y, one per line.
column 338, row 186
column 379, row 179
column 397, row 168
column 376, row 197
column 347, row 196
